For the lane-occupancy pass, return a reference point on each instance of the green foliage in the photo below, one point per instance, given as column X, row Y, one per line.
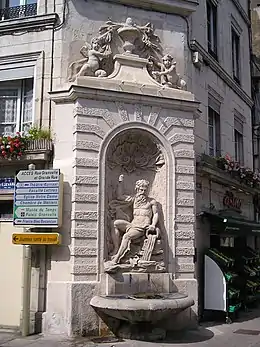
column 37, row 133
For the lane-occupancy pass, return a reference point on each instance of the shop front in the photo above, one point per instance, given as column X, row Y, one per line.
column 228, row 258
column 11, row 256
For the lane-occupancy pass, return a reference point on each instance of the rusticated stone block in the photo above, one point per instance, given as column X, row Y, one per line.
column 179, row 122
column 184, row 202
column 122, row 111
column 154, row 114
column 86, row 180
column 184, row 234
column 86, row 197
column 184, row 243
column 185, row 169
column 90, row 128
column 184, row 138
column 86, row 162
column 185, row 185
column 186, row 268
column 84, row 224
column 184, row 260
column 88, row 145
column 85, row 233
column 96, row 112
column 184, row 153
column 185, row 218
column 185, row 251
column 84, row 269
column 91, row 215
column 84, row 251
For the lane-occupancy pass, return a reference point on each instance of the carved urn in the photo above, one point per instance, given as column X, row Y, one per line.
column 129, row 33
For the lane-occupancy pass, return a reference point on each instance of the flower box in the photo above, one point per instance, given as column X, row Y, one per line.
column 39, row 145
column 244, row 175
column 23, row 148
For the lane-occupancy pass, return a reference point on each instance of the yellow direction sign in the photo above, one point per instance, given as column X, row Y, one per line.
column 36, row 239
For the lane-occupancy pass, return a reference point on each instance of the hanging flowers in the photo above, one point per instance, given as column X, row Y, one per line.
column 245, row 175
column 12, row 147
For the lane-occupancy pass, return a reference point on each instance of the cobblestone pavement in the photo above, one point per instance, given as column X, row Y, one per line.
column 208, row 335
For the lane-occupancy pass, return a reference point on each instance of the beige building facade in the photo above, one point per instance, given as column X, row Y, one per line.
column 41, row 40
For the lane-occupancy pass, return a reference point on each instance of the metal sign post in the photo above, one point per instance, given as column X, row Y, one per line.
column 27, row 274
column 37, row 204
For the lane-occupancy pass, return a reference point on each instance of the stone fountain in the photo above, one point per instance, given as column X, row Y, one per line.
column 141, row 143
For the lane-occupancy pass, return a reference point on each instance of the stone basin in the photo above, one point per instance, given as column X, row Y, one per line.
column 141, row 308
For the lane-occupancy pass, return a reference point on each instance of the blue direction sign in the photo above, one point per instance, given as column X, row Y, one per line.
column 6, row 185
column 38, row 198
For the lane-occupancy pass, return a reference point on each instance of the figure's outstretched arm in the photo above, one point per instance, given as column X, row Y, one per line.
column 120, row 190
column 102, row 55
column 155, row 218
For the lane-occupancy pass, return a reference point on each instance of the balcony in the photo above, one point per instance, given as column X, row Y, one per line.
column 228, row 173
column 36, row 151
column 18, row 11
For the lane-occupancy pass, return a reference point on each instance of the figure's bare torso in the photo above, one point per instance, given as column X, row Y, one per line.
column 142, row 213
column 93, row 60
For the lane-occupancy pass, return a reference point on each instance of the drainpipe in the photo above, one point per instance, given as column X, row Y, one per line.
column 26, row 285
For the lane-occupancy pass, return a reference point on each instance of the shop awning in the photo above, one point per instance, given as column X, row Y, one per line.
column 229, row 225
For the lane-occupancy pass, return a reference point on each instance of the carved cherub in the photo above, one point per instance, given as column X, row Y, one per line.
column 91, row 64
column 167, row 74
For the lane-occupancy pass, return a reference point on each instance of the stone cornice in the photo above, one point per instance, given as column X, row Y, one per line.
column 19, row 58
column 34, row 23
column 218, row 69
column 241, row 11
column 182, row 7
column 75, row 92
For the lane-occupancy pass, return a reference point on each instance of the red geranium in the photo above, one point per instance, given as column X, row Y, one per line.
column 12, row 147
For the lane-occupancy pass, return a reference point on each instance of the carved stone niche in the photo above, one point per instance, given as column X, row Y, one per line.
column 135, row 236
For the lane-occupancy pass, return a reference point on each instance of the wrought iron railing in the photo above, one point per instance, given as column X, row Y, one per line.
column 18, row 11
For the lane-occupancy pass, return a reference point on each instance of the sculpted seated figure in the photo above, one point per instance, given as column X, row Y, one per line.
column 167, row 74
column 143, row 224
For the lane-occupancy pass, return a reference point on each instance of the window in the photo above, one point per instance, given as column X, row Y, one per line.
column 214, row 132
column 235, row 55
column 212, row 28
column 17, row 8
column 6, row 210
column 239, row 143
column 16, row 106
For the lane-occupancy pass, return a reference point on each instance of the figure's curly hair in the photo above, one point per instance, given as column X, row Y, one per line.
column 141, row 183
column 167, row 56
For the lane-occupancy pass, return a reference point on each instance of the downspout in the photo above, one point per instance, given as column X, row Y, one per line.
column 251, row 79
column 52, row 54
column 51, row 76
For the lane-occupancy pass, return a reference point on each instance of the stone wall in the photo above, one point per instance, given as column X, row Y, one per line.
column 216, row 78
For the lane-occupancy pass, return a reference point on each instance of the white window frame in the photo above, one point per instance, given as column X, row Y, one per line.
column 20, row 102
